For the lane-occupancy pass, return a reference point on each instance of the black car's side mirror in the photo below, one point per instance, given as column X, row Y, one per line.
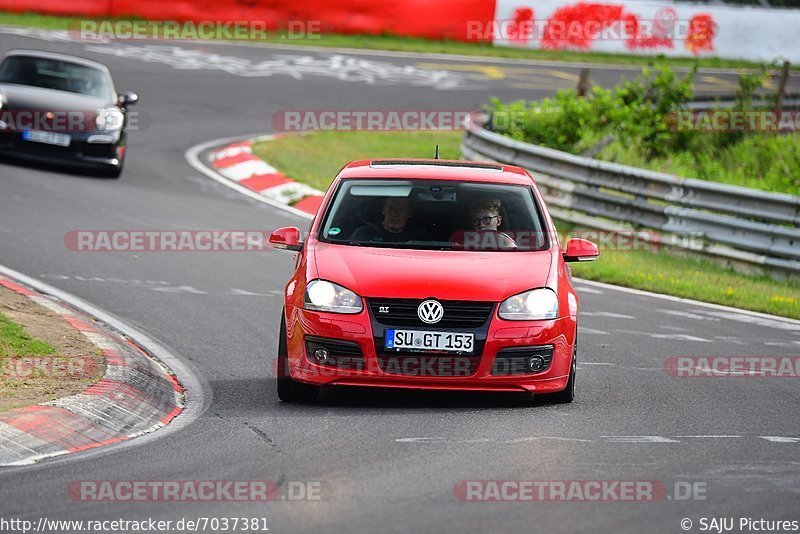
column 128, row 98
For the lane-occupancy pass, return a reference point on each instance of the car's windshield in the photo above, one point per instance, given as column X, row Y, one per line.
column 56, row 74
column 426, row 214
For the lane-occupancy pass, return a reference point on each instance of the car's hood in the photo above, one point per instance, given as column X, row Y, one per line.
column 24, row 97
column 447, row 275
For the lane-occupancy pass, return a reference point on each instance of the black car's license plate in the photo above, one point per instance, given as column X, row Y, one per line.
column 48, row 138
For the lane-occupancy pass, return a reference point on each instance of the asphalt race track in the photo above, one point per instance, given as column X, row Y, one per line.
column 385, row 461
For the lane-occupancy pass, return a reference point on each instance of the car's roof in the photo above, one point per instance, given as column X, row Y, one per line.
column 436, row 169
column 54, row 55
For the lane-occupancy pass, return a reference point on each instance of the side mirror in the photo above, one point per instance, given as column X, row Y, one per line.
column 580, row 250
column 287, row 238
column 128, row 99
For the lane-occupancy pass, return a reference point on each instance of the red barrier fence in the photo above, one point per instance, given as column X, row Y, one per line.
column 86, row 8
column 644, row 27
column 436, row 19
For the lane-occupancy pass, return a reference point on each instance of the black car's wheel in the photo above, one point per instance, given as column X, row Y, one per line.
column 112, row 171
column 290, row 390
column 568, row 394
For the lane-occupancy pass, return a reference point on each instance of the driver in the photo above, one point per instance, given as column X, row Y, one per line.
column 396, row 213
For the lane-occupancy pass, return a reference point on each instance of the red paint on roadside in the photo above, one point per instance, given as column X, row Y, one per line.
column 172, row 415
column 57, row 426
column 560, row 31
column 580, row 25
column 233, row 160
column 97, row 444
column 261, row 182
column 175, row 384
column 16, row 287
column 78, row 324
column 309, row 204
column 114, row 358
column 702, row 30
column 520, row 30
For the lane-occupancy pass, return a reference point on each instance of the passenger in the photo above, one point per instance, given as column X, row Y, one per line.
column 484, row 214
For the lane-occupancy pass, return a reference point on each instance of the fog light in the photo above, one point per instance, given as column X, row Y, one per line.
column 535, row 363
column 321, row 355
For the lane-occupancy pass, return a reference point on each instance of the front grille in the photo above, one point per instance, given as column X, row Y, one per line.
column 426, row 365
column 514, row 361
column 342, row 354
column 76, row 149
column 98, row 150
column 457, row 313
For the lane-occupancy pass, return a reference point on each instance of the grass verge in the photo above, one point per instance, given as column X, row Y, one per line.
column 419, row 45
column 681, row 276
column 42, row 357
column 15, row 342
column 768, row 162
column 315, row 159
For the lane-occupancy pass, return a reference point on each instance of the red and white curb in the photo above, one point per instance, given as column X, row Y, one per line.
column 237, row 163
column 135, row 396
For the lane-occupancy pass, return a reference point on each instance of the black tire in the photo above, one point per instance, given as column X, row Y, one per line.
column 111, row 171
column 290, row 390
column 568, row 394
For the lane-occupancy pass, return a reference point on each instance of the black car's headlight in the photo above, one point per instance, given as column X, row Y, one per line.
column 536, row 304
column 109, row 119
column 322, row 295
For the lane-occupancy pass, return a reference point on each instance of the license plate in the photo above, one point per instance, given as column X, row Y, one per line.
column 426, row 340
column 48, row 138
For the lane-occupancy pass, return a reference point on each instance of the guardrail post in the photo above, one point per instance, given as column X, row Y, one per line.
column 584, row 85
column 782, row 84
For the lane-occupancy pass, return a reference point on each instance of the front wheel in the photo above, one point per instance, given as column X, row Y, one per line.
column 110, row 171
column 290, row 390
column 568, row 394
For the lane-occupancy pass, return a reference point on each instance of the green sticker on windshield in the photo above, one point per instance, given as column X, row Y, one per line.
column 334, row 231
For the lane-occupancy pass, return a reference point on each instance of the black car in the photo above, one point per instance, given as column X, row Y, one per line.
column 62, row 109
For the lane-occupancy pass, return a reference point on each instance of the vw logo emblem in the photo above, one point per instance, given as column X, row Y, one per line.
column 430, row 311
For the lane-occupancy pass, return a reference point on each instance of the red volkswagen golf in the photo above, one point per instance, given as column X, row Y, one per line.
column 430, row 274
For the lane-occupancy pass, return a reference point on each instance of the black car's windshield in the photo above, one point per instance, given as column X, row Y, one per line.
column 56, row 74
column 425, row 214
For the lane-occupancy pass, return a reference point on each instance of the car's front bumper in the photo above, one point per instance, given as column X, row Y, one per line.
column 106, row 153
column 481, row 376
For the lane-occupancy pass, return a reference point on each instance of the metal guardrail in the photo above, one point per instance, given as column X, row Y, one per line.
column 738, row 223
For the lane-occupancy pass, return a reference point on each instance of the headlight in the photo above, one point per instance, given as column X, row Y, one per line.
column 109, row 119
column 322, row 295
column 529, row 306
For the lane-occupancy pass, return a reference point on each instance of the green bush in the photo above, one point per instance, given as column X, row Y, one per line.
column 639, row 116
